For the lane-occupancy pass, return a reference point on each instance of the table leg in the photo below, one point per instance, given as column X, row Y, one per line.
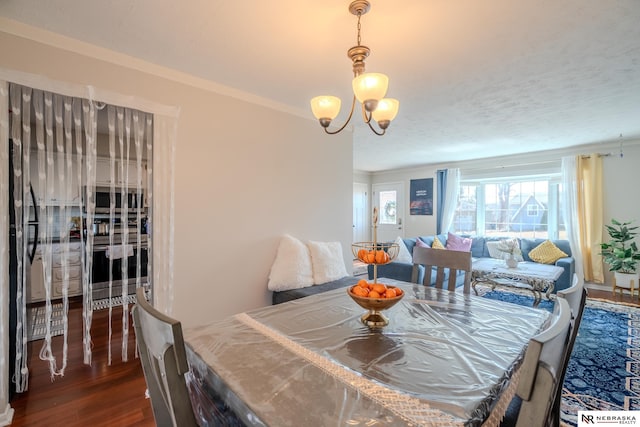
column 537, row 297
column 549, row 290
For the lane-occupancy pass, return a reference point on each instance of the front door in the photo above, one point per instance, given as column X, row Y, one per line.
column 388, row 198
column 361, row 212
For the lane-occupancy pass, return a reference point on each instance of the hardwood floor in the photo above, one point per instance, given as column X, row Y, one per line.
column 96, row 395
column 619, row 297
column 103, row 395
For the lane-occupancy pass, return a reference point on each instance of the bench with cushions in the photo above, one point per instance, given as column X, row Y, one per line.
column 279, row 297
column 401, row 269
column 302, row 269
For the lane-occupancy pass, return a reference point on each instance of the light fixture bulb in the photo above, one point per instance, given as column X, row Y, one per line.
column 387, row 109
column 325, row 107
column 370, row 86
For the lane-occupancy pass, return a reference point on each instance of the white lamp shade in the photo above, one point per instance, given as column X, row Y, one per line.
column 325, row 107
column 370, row 86
column 387, row 109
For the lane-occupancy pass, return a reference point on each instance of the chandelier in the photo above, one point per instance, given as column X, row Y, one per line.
column 368, row 88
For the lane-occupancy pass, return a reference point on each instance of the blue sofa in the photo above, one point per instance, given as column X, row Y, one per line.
column 402, row 271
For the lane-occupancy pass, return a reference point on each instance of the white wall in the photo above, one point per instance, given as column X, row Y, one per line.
column 245, row 175
column 621, row 178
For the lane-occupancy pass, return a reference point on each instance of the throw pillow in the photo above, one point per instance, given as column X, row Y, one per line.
column 292, row 266
column 458, row 243
column 495, row 246
column 421, row 244
column 437, row 244
column 327, row 261
column 546, row 253
column 494, row 252
column 403, row 253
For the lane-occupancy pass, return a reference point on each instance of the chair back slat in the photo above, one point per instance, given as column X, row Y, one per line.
column 443, row 260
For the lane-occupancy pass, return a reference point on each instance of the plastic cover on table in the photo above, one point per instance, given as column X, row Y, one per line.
column 444, row 359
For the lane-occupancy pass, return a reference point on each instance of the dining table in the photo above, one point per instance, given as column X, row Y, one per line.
column 444, row 359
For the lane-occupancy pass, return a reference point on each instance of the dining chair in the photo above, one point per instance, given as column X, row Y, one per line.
column 576, row 296
column 164, row 363
column 456, row 262
column 541, row 372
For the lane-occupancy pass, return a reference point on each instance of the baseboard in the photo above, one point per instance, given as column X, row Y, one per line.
column 597, row 286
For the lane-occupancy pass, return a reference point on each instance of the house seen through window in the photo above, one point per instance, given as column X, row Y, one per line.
column 527, row 208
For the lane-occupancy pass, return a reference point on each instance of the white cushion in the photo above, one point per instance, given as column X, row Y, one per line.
column 292, row 267
column 495, row 252
column 403, row 253
column 327, row 261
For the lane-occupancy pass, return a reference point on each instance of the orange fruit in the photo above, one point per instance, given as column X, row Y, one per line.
column 379, row 288
column 363, row 283
column 361, row 254
column 390, row 293
column 380, row 257
column 360, row 291
column 370, row 258
column 398, row 291
column 374, row 294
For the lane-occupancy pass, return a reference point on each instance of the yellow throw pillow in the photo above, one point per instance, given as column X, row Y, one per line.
column 546, row 253
column 437, row 244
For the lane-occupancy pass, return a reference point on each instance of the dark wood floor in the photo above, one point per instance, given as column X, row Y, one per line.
column 103, row 395
column 96, row 395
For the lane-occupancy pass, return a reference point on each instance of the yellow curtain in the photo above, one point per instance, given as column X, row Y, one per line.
column 590, row 215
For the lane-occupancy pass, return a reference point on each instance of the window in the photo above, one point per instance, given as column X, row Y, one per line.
column 388, row 202
column 519, row 207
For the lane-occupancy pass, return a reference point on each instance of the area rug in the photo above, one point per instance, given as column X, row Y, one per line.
column 604, row 369
column 36, row 321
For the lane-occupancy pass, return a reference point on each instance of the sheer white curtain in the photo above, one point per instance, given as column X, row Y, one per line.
column 569, row 205
column 58, row 142
column 6, row 413
column 452, row 191
column 43, row 146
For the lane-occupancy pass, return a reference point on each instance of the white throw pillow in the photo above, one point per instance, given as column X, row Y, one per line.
column 495, row 252
column 327, row 261
column 403, row 253
column 292, row 267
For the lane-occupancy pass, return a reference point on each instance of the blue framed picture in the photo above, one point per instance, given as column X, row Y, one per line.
column 421, row 197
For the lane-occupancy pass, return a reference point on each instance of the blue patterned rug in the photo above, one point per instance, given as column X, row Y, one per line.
column 604, row 369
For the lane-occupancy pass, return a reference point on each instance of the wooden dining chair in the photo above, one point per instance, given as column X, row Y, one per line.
column 164, row 363
column 541, row 373
column 456, row 262
column 576, row 296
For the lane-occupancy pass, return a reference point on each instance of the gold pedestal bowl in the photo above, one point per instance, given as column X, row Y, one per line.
column 374, row 317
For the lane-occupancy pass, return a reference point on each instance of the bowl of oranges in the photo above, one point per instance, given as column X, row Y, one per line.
column 375, row 297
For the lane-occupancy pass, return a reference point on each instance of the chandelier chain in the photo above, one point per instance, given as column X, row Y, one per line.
column 359, row 27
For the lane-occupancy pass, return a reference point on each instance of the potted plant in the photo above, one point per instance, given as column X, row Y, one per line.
column 621, row 253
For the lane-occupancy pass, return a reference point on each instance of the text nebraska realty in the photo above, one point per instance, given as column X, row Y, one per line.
column 618, row 419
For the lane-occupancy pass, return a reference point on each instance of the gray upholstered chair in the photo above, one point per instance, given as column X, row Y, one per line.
column 576, row 296
column 456, row 262
column 541, row 372
column 164, row 363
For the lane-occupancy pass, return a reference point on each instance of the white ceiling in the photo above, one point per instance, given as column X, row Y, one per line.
column 475, row 79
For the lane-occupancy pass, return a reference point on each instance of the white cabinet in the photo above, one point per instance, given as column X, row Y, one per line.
column 56, row 191
column 74, row 268
column 122, row 175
